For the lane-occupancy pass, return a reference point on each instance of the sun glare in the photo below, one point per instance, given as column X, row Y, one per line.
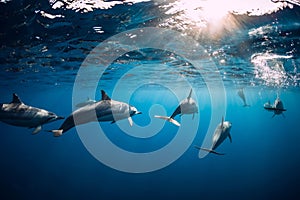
column 216, row 15
column 215, row 10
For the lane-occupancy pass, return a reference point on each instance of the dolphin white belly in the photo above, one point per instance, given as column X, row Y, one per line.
column 188, row 107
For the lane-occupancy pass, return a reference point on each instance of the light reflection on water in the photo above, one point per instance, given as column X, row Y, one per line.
column 250, row 55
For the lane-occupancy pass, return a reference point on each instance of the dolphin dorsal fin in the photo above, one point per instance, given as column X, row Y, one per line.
column 222, row 122
column 190, row 94
column 104, row 96
column 16, row 99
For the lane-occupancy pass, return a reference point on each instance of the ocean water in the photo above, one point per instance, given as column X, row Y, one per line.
column 55, row 54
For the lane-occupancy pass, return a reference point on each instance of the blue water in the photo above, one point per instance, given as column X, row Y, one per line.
column 41, row 60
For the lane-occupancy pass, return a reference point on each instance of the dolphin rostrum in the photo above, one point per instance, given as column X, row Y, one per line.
column 242, row 96
column 19, row 114
column 277, row 107
column 105, row 110
column 186, row 106
column 221, row 133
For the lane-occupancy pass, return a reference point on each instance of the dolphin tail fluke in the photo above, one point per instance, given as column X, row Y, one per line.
column 209, row 150
column 173, row 121
column 169, row 119
column 57, row 133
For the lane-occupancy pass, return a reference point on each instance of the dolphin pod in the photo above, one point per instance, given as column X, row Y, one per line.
column 19, row 114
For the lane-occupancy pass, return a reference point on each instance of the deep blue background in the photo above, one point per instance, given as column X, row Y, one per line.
column 261, row 163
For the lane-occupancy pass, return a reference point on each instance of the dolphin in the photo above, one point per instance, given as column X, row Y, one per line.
column 242, row 96
column 277, row 107
column 19, row 114
column 87, row 102
column 186, row 106
column 268, row 106
column 221, row 133
column 106, row 110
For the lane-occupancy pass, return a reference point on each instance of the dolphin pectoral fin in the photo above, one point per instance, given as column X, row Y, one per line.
column 229, row 136
column 193, row 115
column 113, row 122
column 283, row 115
column 130, row 121
column 273, row 115
column 169, row 119
column 37, row 130
column 209, row 150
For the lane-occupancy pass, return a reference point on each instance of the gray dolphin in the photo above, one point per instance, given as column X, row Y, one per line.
column 87, row 102
column 221, row 133
column 242, row 96
column 277, row 107
column 18, row 114
column 106, row 110
column 186, row 106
